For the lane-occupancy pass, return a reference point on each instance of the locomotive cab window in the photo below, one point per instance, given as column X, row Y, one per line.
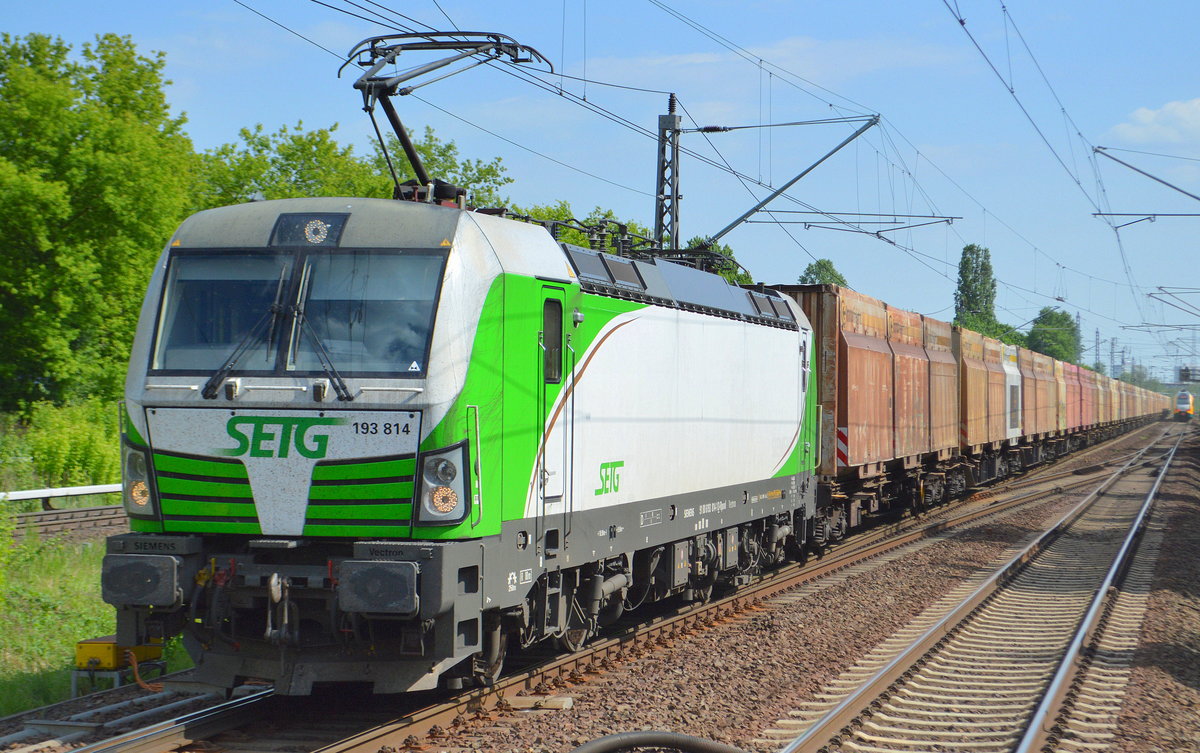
column 371, row 312
column 368, row 312
column 552, row 336
column 214, row 302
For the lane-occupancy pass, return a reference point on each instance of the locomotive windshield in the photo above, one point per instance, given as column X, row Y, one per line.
column 370, row 311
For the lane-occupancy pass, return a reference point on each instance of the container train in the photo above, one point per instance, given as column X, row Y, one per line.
column 1185, row 406
column 379, row 442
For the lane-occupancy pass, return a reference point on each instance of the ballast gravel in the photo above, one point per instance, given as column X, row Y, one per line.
column 1162, row 704
column 732, row 682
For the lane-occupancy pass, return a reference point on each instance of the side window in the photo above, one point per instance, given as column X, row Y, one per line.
column 805, row 364
column 552, row 336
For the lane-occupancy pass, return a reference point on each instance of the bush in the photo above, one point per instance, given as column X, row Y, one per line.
column 75, row 445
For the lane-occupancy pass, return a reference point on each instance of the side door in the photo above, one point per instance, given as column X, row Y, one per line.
column 556, row 419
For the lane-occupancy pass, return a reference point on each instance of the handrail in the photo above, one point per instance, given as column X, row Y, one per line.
column 66, row 491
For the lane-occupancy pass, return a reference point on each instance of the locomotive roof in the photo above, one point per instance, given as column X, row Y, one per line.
column 520, row 248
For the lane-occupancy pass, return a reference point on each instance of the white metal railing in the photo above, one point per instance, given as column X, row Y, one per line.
column 45, row 495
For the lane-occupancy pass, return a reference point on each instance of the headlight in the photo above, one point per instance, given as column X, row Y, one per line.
column 440, row 470
column 442, row 497
column 135, row 480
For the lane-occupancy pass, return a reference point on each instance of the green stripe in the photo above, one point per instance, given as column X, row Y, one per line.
column 399, row 490
column 197, row 467
column 192, row 526
column 208, row 509
column 352, row 531
column 363, row 471
column 391, row 513
column 169, row 486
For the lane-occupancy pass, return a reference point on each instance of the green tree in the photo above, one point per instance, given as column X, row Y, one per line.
column 98, row 172
column 287, row 164
column 822, row 272
column 604, row 220
column 732, row 272
column 1056, row 334
column 1100, row 367
column 294, row 162
column 483, row 180
column 1139, row 375
column 975, row 295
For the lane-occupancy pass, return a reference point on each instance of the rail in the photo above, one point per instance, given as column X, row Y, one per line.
column 843, row 716
column 45, row 495
column 1042, row 723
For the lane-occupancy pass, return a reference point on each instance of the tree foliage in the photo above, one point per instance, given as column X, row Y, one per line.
column 1139, row 375
column 975, row 294
column 975, row 297
column 98, row 171
column 604, row 220
column 734, row 272
column 822, row 272
column 1056, row 334
column 294, row 162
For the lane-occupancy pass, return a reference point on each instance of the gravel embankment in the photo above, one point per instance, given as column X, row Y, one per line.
column 1162, row 704
column 734, row 681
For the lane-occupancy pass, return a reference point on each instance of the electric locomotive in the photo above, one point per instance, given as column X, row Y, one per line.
column 378, row 441
column 1184, row 406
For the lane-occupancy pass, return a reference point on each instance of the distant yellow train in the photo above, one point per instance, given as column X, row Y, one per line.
column 1185, row 406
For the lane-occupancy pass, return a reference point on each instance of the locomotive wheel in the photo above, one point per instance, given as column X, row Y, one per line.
column 483, row 672
column 579, row 630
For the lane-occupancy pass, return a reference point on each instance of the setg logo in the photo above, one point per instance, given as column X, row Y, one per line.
column 610, row 477
column 276, row 437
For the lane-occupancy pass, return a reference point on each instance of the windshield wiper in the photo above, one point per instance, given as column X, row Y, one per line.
column 209, row 391
column 213, row 384
column 339, row 384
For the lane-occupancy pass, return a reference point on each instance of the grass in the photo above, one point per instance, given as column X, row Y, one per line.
column 50, row 590
column 49, row 600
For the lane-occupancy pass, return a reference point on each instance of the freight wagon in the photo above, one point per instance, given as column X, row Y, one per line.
column 914, row 410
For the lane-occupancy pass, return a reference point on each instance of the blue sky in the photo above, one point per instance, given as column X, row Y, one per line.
column 954, row 141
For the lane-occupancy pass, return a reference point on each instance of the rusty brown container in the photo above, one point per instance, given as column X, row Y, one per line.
column 1074, row 407
column 1087, row 382
column 1028, row 391
column 1060, row 386
column 1104, row 398
column 854, row 377
column 972, row 387
column 997, row 413
column 1114, row 389
column 1047, row 394
column 910, row 371
column 943, row 385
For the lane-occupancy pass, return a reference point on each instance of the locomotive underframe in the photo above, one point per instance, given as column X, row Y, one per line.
column 305, row 611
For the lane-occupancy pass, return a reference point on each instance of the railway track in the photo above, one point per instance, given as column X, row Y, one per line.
column 987, row 669
column 80, row 521
column 242, row 725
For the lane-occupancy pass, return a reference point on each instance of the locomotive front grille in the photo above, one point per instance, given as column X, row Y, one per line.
column 347, row 496
column 210, row 495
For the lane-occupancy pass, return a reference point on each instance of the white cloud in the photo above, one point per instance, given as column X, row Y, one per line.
column 1173, row 123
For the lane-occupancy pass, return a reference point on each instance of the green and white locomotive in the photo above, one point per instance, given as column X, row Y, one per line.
column 380, row 441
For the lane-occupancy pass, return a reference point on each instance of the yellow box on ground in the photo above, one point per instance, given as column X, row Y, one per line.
column 103, row 654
